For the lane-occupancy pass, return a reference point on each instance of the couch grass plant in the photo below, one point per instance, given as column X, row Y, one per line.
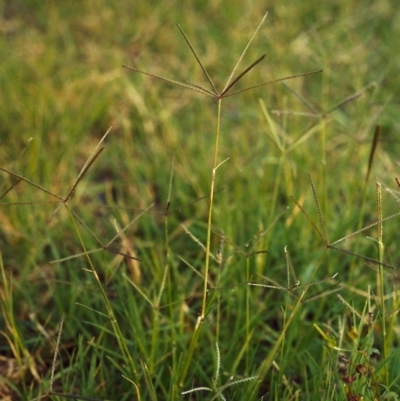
column 163, row 239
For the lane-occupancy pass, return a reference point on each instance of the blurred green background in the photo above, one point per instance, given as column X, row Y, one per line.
column 63, row 85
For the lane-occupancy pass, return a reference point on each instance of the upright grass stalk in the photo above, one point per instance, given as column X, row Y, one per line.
column 166, row 282
column 188, row 357
column 110, row 313
column 213, row 92
column 13, row 335
column 380, row 281
column 210, row 208
column 247, row 365
column 231, row 82
column 269, row 359
column 168, row 275
column 372, row 153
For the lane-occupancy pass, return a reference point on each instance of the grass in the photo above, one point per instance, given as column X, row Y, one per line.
column 188, row 199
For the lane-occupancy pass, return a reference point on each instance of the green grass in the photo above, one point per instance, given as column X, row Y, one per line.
column 140, row 321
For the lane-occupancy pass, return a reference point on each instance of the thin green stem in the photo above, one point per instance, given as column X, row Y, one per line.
column 247, row 314
column 381, row 286
column 188, row 358
column 14, row 338
column 114, row 323
column 209, row 222
column 218, row 284
column 169, row 280
column 267, row 363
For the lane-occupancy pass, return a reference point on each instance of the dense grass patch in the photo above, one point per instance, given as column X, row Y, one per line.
column 124, row 257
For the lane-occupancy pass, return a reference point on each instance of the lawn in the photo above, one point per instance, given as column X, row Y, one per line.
column 184, row 238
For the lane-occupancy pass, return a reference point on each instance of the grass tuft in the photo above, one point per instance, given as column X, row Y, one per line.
column 171, row 251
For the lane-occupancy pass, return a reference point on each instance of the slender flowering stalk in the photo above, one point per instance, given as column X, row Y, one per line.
column 218, row 95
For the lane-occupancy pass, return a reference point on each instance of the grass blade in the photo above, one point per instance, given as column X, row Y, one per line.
column 375, row 140
column 244, row 52
column 273, row 82
column 20, row 177
column 198, row 61
column 196, row 88
column 237, row 79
